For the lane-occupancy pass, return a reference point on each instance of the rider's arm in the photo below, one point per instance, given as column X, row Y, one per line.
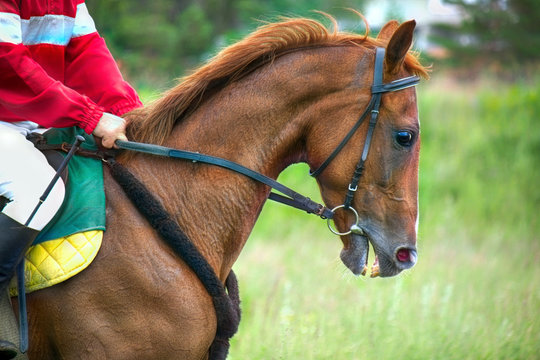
column 91, row 69
column 26, row 88
column 29, row 92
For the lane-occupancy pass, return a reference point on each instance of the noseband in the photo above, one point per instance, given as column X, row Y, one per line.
column 291, row 197
column 377, row 89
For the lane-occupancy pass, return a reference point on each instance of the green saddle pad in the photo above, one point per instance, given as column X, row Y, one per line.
column 83, row 208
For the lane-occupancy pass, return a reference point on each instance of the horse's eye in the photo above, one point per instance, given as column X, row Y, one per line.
column 404, row 138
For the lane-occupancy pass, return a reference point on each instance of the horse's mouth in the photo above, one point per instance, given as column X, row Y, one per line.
column 355, row 256
column 386, row 263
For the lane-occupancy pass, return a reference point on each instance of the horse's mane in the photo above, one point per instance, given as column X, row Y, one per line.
column 154, row 123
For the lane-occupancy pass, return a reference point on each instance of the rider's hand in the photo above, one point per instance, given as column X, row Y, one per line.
column 110, row 128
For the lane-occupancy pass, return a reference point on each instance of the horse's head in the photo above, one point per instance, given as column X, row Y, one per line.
column 386, row 199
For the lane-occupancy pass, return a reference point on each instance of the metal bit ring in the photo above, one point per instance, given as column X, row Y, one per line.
column 354, row 227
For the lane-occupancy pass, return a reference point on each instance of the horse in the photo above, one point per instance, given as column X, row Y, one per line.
column 286, row 93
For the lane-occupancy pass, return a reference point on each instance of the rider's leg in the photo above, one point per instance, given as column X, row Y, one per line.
column 24, row 176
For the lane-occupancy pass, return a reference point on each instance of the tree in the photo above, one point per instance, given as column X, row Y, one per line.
column 493, row 30
column 161, row 39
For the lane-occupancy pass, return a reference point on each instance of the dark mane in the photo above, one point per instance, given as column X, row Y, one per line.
column 154, row 123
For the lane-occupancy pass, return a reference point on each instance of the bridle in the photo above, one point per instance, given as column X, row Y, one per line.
column 291, row 197
column 377, row 89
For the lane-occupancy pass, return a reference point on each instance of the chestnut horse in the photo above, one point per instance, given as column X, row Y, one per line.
column 287, row 93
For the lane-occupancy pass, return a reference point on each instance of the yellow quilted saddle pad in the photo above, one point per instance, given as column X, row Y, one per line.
column 54, row 261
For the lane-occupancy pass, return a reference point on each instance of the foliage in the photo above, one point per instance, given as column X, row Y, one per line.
column 162, row 39
column 493, row 139
column 493, row 30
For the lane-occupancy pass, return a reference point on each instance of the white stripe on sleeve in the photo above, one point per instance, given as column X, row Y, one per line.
column 10, row 28
column 84, row 24
column 47, row 29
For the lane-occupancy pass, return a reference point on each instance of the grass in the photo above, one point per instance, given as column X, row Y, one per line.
column 475, row 292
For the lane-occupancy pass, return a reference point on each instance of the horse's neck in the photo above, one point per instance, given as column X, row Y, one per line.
column 253, row 122
column 258, row 122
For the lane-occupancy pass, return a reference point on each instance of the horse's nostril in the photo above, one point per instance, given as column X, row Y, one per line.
column 403, row 255
column 406, row 257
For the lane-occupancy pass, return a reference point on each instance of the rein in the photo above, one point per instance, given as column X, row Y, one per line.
column 292, row 198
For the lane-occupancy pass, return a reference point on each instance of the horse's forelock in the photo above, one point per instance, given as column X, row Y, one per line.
column 154, row 123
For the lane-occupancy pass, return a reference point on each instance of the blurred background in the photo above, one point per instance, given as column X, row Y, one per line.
column 475, row 293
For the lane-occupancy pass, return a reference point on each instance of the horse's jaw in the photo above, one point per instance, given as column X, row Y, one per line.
column 355, row 256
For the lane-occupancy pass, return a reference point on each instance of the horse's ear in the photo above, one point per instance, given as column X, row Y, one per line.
column 388, row 30
column 398, row 46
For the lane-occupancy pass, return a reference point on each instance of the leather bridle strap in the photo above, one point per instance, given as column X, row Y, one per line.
column 377, row 89
column 292, row 198
column 343, row 142
column 376, row 101
column 372, row 105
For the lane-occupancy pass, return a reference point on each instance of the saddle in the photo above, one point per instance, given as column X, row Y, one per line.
column 71, row 241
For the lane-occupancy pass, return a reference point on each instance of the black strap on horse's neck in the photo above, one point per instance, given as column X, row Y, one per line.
column 226, row 304
column 292, row 198
column 377, row 89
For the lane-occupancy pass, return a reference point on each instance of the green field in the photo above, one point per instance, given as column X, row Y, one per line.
column 475, row 292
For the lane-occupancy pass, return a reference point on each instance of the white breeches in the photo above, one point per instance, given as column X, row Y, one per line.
column 24, row 176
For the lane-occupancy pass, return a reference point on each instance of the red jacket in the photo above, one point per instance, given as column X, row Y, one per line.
column 55, row 70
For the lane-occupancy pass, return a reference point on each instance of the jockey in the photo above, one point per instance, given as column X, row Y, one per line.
column 55, row 71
